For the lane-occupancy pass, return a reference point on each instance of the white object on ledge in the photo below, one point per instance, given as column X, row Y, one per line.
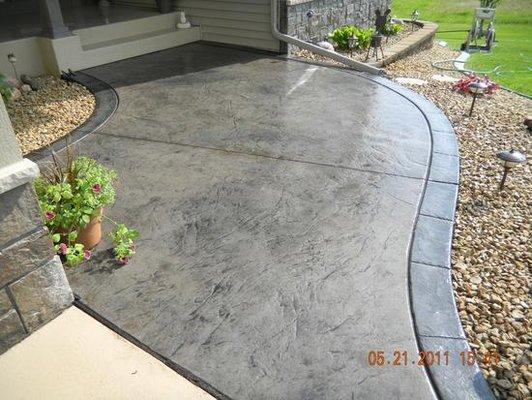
column 182, row 22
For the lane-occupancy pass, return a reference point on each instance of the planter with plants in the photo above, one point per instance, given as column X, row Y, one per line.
column 72, row 195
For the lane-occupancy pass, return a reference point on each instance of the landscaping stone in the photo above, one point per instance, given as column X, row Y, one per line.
column 11, row 330
column 411, row 81
column 25, row 88
column 28, row 80
column 444, row 78
column 42, row 294
column 25, row 255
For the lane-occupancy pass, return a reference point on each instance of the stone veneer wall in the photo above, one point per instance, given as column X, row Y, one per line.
column 33, row 285
column 330, row 14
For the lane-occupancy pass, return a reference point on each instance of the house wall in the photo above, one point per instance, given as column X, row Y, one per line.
column 238, row 22
column 330, row 14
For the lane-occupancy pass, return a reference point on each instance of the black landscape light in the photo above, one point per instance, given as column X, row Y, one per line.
column 13, row 60
column 509, row 159
column 477, row 88
column 353, row 43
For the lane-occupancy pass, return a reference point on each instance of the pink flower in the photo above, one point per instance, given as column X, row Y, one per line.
column 87, row 254
column 124, row 261
column 63, row 248
column 49, row 215
column 96, row 187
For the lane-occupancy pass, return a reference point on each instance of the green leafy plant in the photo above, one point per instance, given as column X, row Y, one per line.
column 123, row 238
column 5, row 90
column 391, row 29
column 341, row 36
column 71, row 194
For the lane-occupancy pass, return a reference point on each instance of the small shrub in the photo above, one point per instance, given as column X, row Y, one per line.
column 391, row 29
column 5, row 90
column 462, row 85
column 341, row 36
column 123, row 238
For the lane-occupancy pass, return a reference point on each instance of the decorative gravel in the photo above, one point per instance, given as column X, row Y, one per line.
column 491, row 255
column 43, row 116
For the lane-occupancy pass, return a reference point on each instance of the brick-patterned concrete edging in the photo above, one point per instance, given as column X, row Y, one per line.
column 416, row 41
column 435, row 317
column 106, row 105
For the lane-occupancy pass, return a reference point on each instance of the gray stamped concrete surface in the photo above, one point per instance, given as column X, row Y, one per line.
column 276, row 202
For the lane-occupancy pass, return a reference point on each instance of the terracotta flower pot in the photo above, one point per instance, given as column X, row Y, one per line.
column 91, row 235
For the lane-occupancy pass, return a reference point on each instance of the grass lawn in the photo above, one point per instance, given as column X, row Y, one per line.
column 513, row 27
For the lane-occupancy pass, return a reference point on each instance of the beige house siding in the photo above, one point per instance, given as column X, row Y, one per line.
column 239, row 22
column 244, row 23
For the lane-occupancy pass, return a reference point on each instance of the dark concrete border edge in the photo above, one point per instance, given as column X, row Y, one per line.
column 434, row 314
column 106, row 105
column 430, row 250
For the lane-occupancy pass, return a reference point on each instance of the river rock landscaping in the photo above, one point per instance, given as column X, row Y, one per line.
column 42, row 116
column 491, row 255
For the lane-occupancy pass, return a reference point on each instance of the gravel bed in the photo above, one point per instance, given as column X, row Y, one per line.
column 43, row 116
column 491, row 255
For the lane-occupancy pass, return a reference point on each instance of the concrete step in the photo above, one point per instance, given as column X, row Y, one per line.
column 126, row 29
column 119, row 48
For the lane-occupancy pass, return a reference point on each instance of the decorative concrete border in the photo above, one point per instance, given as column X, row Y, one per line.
column 418, row 40
column 106, row 105
column 435, row 317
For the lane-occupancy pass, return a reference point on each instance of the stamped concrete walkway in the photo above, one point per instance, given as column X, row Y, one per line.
column 276, row 201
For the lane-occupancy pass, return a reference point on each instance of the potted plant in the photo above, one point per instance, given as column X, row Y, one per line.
column 72, row 196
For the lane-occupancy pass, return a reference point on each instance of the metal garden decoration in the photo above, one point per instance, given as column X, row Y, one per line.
column 381, row 20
